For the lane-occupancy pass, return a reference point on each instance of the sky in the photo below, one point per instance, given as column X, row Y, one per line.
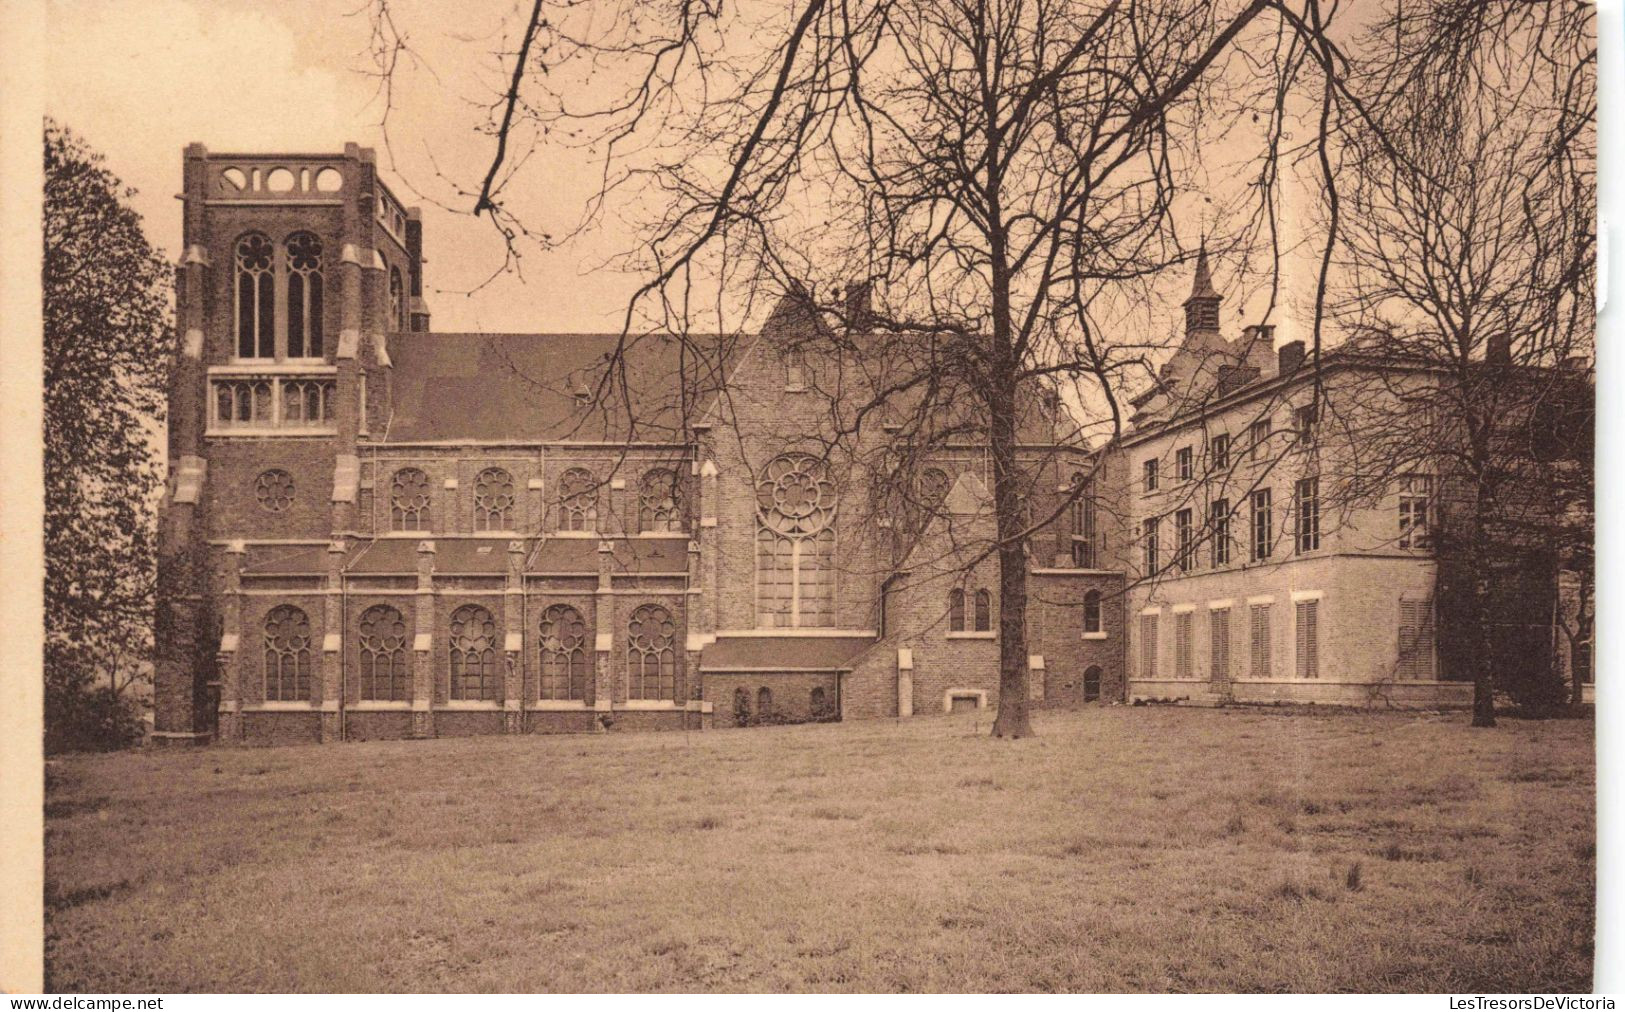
column 140, row 79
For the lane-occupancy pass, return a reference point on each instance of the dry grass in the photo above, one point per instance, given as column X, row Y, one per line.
column 1124, row 849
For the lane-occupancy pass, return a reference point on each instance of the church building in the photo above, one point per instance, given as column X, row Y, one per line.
column 373, row 530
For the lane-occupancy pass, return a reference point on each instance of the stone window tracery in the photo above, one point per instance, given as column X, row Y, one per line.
column 304, row 252
column 795, row 543
column 578, row 500
column 381, row 641
column 493, row 500
column 651, row 654
column 255, row 296
column 409, row 500
column 564, row 654
column 287, row 654
column 273, row 490
column 660, row 501
column 473, row 654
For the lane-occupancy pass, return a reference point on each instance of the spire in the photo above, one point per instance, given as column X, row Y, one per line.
column 1202, row 307
column 1202, row 287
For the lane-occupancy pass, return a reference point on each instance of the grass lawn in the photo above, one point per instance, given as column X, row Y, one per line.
column 1123, row 849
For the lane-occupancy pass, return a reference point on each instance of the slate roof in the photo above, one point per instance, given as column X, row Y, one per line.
column 286, row 560
column 452, row 556
column 645, row 556
column 783, row 653
column 524, row 387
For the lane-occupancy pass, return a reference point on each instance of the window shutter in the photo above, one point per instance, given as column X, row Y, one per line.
column 1308, row 639
column 1219, row 645
column 1182, row 645
column 1148, row 646
column 1261, row 640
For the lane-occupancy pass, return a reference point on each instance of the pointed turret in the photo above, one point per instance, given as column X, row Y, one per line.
column 1202, row 308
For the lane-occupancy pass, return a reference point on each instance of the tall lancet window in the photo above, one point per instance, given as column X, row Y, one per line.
column 304, row 296
column 255, row 296
column 397, row 298
column 795, row 543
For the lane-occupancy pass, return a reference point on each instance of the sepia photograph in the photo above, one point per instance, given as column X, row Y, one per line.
column 809, row 496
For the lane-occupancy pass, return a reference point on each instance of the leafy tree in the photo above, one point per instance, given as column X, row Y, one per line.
column 107, row 327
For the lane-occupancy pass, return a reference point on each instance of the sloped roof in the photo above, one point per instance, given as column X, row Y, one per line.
column 645, row 556
column 783, row 653
column 525, row 387
column 286, row 560
column 452, row 556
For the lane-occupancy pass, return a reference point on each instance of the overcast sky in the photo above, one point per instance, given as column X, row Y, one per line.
column 142, row 78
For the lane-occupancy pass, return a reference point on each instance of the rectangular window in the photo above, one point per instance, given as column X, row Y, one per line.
column 1183, row 621
column 1260, row 439
column 1415, row 496
column 1151, row 475
column 1148, row 646
column 1187, row 539
column 1303, row 421
column 1184, row 463
column 1306, row 508
column 1221, row 451
column 1415, row 640
column 1308, row 639
column 1151, row 526
column 1263, row 525
column 1219, row 643
column 1219, row 520
column 795, row 370
column 1260, row 614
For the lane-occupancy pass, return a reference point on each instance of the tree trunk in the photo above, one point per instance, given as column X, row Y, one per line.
column 1484, row 655
column 1013, row 720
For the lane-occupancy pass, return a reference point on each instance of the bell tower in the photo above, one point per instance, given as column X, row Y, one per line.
column 296, row 269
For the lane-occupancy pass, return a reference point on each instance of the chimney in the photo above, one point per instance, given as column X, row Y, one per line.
column 1289, row 357
column 859, row 312
column 1498, row 350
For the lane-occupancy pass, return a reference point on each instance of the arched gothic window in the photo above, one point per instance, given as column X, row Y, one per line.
column 1085, row 546
column 1091, row 612
column 819, row 701
column 397, row 299
column 382, row 645
column 255, row 296
column 578, row 500
column 564, row 654
column 651, row 654
column 795, row 543
column 1091, row 684
column 493, row 500
column 287, row 654
column 304, row 253
column 741, row 706
column 660, row 501
column 984, row 611
column 933, row 490
column 764, row 701
column 956, row 610
column 409, row 500
column 473, row 654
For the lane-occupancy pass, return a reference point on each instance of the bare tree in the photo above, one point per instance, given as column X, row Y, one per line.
column 1467, row 250
column 1001, row 176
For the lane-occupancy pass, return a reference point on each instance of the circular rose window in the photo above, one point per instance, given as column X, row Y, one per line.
column 274, row 490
